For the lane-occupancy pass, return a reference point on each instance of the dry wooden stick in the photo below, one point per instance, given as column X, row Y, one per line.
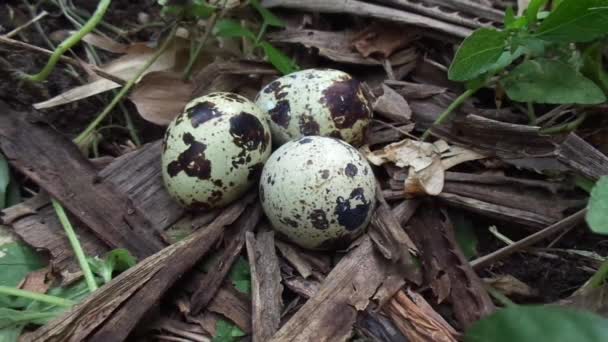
column 564, row 224
column 266, row 285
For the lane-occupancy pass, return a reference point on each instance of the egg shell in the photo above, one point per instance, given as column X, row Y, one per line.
column 215, row 150
column 323, row 102
column 318, row 192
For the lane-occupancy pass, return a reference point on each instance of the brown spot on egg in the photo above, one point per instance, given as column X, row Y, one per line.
column 247, row 131
column 318, row 219
column 255, row 171
column 350, row 213
column 262, row 193
column 350, row 170
column 202, row 112
column 218, row 183
column 235, row 98
column 192, row 161
column 290, row 222
column 280, row 114
column 346, row 102
column 216, row 196
column 324, row 174
column 335, row 134
column 199, row 205
column 308, row 125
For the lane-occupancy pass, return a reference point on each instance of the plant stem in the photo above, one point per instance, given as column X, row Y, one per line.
column 567, row 127
column 261, row 33
column 531, row 113
column 598, row 278
column 197, row 50
column 11, row 291
column 71, row 41
column 448, row 112
column 123, row 91
column 69, row 231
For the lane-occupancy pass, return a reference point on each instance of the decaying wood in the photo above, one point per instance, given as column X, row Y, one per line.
column 472, row 7
column 291, row 254
column 553, row 229
column 356, row 7
column 266, row 288
column 304, row 287
column 212, row 281
column 57, row 165
column 378, row 328
column 110, row 313
column 136, row 174
column 577, row 154
column 446, row 268
column 330, row 314
column 416, row 319
column 232, row 304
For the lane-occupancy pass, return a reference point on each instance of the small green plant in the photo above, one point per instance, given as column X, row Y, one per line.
column 227, row 332
column 231, row 28
column 541, row 57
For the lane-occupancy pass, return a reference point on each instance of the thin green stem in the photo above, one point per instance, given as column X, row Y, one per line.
column 598, row 278
column 448, row 112
column 499, row 296
column 11, row 291
column 567, row 127
column 531, row 113
column 25, row 316
column 82, row 138
column 71, row 41
column 199, row 47
column 261, row 34
column 130, row 125
column 71, row 234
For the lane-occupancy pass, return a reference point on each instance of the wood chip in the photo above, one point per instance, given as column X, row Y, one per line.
column 266, row 288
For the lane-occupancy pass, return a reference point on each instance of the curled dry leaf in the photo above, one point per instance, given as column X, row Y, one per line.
column 383, row 40
column 509, row 285
column 427, row 162
column 124, row 67
column 160, row 96
column 392, row 106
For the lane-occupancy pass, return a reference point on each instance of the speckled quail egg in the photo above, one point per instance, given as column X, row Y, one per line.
column 319, row 192
column 322, row 102
column 215, row 150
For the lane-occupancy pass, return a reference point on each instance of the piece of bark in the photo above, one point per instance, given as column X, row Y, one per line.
column 405, row 210
column 232, row 304
column 411, row 90
column 266, row 288
column 392, row 106
column 417, row 320
column 290, row 253
column 304, row 287
column 446, row 269
column 378, row 328
column 331, row 313
column 111, row 312
column 579, row 155
column 361, row 8
column 476, row 8
column 58, row 166
column 212, row 281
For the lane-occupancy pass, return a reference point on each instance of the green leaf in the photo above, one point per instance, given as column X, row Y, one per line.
column 549, row 81
column 11, row 333
column 117, row 260
column 465, row 234
column 512, row 22
column 477, row 54
column 230, row 29
column 597, row 208
column 13, row 194
column 278, row 59
column 240, row 275
column 10, row 317
column 576, row 21
column 227, row 332
column 593, row 66
column 539, row 323
column 532, row 10
column 5, row 179
column 269, row 18
column 16, row 259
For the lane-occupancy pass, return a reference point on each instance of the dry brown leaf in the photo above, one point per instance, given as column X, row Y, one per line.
column 427, row 162
column 393, row 106
column 509, row 285
column 160, row 96
column 124, row 67
column 36, row 281
column 382, row 40
column 104, row 43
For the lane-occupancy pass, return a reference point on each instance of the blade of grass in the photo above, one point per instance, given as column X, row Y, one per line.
column 11, row 291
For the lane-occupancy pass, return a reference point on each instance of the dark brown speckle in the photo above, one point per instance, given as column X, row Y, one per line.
column 192, row 161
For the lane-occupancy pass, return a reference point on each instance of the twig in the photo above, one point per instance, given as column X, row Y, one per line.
column 80, row 139
column 30, row 22
column 71, row 41
column 65, row 59
column 530, row 240
column 448, row 112
column 80, row 256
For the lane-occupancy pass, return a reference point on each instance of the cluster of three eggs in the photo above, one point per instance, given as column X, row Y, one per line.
column 315, row 188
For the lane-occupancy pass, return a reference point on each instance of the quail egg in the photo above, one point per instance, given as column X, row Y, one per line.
column 319, row 192
column 215, row 150
column 321, row 102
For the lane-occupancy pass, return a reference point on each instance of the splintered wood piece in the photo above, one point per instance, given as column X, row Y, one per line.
column 374, row 11
column 110, row 313
column 446, row 268
column 266, row 288
column 211, row 282
column 56, row 164
column 330, row 314
column 416, row 319
column 232, row 304
column 582, row 157
column 378, row 327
